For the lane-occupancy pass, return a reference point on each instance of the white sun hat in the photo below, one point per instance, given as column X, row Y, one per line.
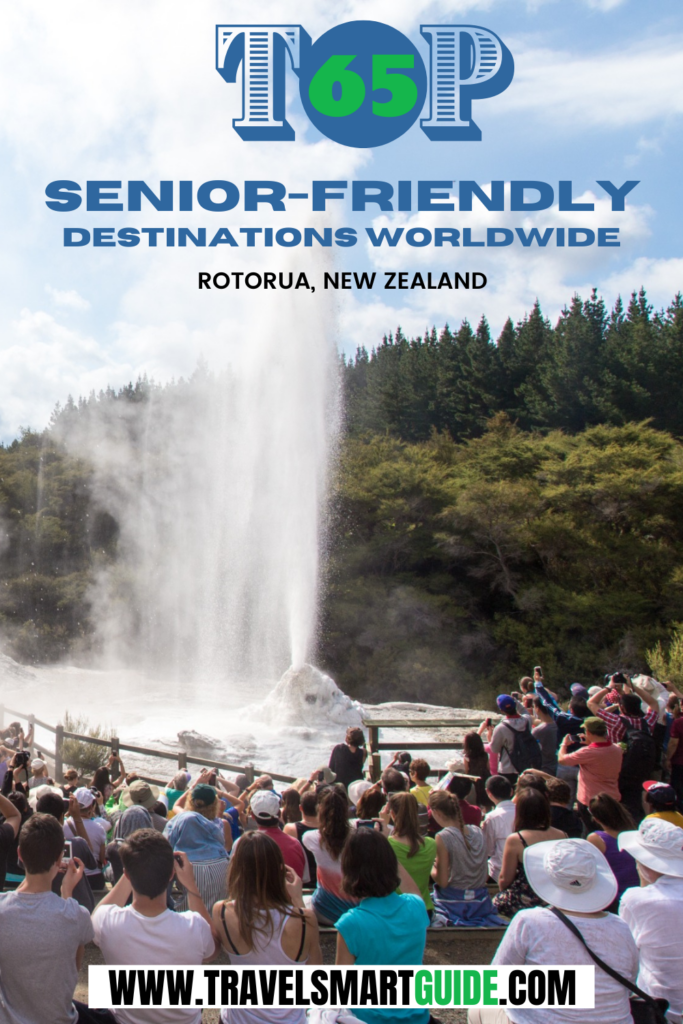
column 356, row 790
column 570, row 874
column 657, row 844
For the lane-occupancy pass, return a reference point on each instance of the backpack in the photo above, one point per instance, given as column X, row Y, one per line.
column 526, row 750
column 640, row 756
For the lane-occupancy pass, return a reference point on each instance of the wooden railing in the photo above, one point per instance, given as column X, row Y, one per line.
column 374, row 745
column 181, row 757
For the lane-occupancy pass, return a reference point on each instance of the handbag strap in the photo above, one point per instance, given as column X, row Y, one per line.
column 601, row 963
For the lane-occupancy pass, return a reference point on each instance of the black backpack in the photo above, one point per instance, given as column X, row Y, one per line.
column 640, row 756
column 526, row 750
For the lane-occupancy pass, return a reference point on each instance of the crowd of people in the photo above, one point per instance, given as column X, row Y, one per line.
column 560, row 824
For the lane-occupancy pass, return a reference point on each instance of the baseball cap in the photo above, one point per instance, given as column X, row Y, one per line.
column 84, row 797
column 505, row 702
column 204, row 795
column 265, row 804
column 578, row 690
column 38, row 763
column 661, row 792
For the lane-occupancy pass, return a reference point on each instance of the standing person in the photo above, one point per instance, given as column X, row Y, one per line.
column 545, row 731
column 206, row 839
column 512, row 741
column 612, row 819
column 298, row 829
column 265, row 923
column 538, row 937
column 531, row 826
column 329, row 900
column 347, row 758
column 630, row 725
column 654, row 912
column 476, row 762
column 43, row 935
column 460, row 871
column 414, row 852
column 146, row 932
column 599, row 763
column 673, row 757
column 498, row 823
column 385, row 927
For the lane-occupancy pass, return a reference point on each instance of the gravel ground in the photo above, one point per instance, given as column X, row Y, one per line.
column 447, row 949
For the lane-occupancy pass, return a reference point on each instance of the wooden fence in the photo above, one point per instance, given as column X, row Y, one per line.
column 181, row 758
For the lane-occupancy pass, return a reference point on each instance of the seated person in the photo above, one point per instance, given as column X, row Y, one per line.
column 461, row 869
column 563, row 816
column 147, row 932
column 385, row 927
column 498, row 823
column 419, row 770
column 659, row 801
column 52, row 804
column 39, row 966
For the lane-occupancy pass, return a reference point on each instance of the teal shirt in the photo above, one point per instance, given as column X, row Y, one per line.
column 391, row 931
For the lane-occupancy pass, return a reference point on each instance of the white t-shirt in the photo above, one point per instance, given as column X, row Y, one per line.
column 497, row 826
column 654, row 914
column 127, row 937
column 536, row 937
column 97, row 834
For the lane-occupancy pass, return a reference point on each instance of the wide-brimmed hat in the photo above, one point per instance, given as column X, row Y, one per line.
column 328, row 776
column 570, row 874
column 657, row 844
column 38, row 791
column 140, row 793
column 356, row 790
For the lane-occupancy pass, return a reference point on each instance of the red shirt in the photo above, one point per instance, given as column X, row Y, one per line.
column 677, row 734
column 615, row 727
column 599, row 767
column 471, row 814
column 292, row 850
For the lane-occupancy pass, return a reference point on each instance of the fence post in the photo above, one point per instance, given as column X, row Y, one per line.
column 182, row 760
column 375, row 757
column 59, row 744
column 249, row 772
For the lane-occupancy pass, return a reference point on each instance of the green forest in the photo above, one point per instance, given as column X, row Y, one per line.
column 498, row 503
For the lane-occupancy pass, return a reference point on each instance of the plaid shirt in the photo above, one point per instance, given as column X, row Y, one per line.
column 615, row 727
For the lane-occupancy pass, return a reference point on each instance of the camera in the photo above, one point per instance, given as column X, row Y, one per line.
column 67, row 855
column 22, row 758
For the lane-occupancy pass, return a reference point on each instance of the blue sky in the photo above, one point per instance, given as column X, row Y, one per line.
column 89, row 90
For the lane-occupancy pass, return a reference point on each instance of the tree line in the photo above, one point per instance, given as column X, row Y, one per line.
column 496, row 504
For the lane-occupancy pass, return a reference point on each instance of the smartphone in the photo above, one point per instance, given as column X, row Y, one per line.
column 178, row 859
column 67, row 855
column 367, row 823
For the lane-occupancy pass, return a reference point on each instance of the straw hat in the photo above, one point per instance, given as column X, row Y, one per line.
column 570, row 874
column 657, row 844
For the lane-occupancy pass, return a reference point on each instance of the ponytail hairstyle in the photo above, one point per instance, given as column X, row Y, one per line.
column 448, row 804
column 333, row 818
column 403, row 807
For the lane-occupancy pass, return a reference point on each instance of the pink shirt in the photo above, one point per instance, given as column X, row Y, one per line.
column 292, row 850
column 599, row 767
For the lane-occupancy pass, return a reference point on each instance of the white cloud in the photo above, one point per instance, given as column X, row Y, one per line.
column 70, row 299
column 613, row 89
